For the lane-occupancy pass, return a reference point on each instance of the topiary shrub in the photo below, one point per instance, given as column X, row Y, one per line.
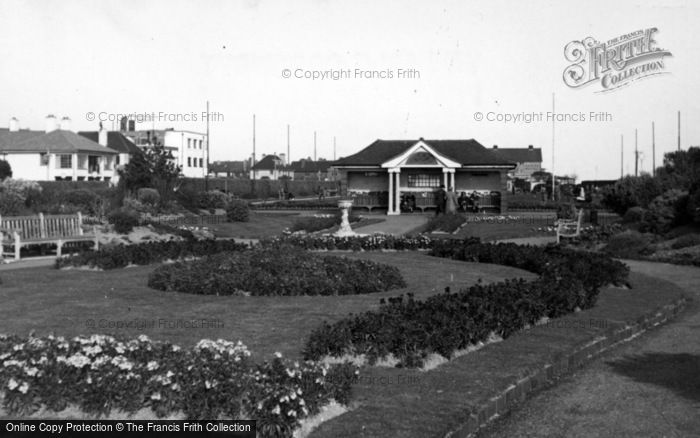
column 238, row 211
column 212, row 199
column 123, row 219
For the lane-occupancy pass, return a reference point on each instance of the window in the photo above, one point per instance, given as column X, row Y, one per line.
column 93, row 163
column 200, row 144
column 65, row 161
column 189, row 143
column 201, row 162
column 424, row 180
column 189, row 162
column 43, row 159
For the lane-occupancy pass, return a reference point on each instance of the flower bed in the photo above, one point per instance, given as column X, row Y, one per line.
column 276, row 271
column 354, row 243
column 411, row 330
column 315, row 223
column 147, row 253
column 215, row 379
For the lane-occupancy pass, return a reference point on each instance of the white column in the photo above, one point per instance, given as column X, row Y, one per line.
column 391, row 192
column 398, row 191
column 444, row 178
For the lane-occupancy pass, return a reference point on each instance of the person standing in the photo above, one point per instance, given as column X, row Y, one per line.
column 451, row 202
column 440, row 198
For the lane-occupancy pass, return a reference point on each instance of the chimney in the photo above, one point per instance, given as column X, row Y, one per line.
column 51, row 124
column 65, row 124
column 283, row 159
column 530, row 147
column 102, row 136
column 14, row 124
column 495, row 146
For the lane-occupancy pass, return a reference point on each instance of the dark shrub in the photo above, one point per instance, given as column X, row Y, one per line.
column 5, row 170
column 311, row 224
column 631, row 192
column 629, row 244
column 635, row 215
column 276, row 271
column 212, row 199
column 124, row 220
column 238, row 211
column 668, row 210
column 686, row 241
column 148, row 196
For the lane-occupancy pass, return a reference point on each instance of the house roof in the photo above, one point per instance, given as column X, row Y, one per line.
column 310, row 166
column 520, row 155
column 58, row 141
column 8, row 138
column 228, row 166
column 115, row 140
column 466, row 152
column 268, row 163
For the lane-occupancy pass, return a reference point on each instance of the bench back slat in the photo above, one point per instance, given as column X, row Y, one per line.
column 41, row 227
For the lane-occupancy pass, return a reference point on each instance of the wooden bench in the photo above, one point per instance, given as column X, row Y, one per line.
column 19, row 231
column 569, row 228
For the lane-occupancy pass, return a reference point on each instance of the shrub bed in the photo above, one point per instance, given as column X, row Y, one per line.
column 410, row 330
column 353, row 243
column 147, row 253
column 321, row 204
column 215, row 379
column 448, row 223
column 311, row 224
column 276, row 271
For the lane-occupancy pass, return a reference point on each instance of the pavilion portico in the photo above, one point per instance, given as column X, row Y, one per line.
column 385, row 171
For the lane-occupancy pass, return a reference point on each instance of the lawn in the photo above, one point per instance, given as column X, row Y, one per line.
column 69, row 302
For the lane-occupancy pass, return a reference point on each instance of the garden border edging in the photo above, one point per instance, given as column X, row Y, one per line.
column 562, row 364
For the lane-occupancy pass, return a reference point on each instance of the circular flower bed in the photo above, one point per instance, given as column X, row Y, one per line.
column 276, row 271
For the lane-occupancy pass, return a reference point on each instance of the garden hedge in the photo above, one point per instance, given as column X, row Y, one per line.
column 215, row 379
column 353, row 243
column 410, row 330
column 146, row 253
column 276, row 271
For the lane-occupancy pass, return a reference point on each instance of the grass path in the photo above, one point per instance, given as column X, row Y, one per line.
column 649, row 387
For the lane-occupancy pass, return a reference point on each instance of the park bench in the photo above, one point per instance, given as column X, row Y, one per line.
column 569, row 228
column 20, row 231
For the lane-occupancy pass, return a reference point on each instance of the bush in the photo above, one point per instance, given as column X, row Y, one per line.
column 448, row 223
column 629, row 244
column 411, row 330
column 238, row 211
column 5, row 170
column 148, row 196
column 15, row 194
column 215, row 379
column 668, row 210
column 635, row 215
column 212, row 199
column 686, row 241
column 354, row 243
column 276, row 271
column 149, row 252
column 124, row 220
column 631, row 192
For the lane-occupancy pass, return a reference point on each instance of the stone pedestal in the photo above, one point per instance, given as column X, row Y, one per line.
column 345, row 229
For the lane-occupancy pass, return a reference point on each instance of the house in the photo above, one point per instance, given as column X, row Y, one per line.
column 56, row 153
column 114, row 140
column 309, row 170
column 229, row 169
column 381, row 173
column 188, row 148
column 529, row 160
column 270, row 167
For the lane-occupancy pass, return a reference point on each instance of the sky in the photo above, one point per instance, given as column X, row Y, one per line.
column 411, row 69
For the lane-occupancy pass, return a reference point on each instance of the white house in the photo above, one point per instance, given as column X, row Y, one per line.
column 189, row 149
column 56, row 153
column 116, row 141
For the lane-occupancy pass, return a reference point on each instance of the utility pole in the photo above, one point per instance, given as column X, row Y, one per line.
column 636, row 155
column 334, row 148
column 253, row 165
column 314, row 145
column 653, row 150
column 289, row 156
column 553, row 176
column 622, row 156
column 206, row 170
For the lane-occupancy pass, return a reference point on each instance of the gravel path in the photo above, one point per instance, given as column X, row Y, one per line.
column 650, row 387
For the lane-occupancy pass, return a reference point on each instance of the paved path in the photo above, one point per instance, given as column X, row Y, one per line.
column 396, row 225
column 649, row 387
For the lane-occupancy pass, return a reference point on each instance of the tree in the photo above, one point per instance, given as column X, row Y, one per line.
column 156, row 169
column 5, row 170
